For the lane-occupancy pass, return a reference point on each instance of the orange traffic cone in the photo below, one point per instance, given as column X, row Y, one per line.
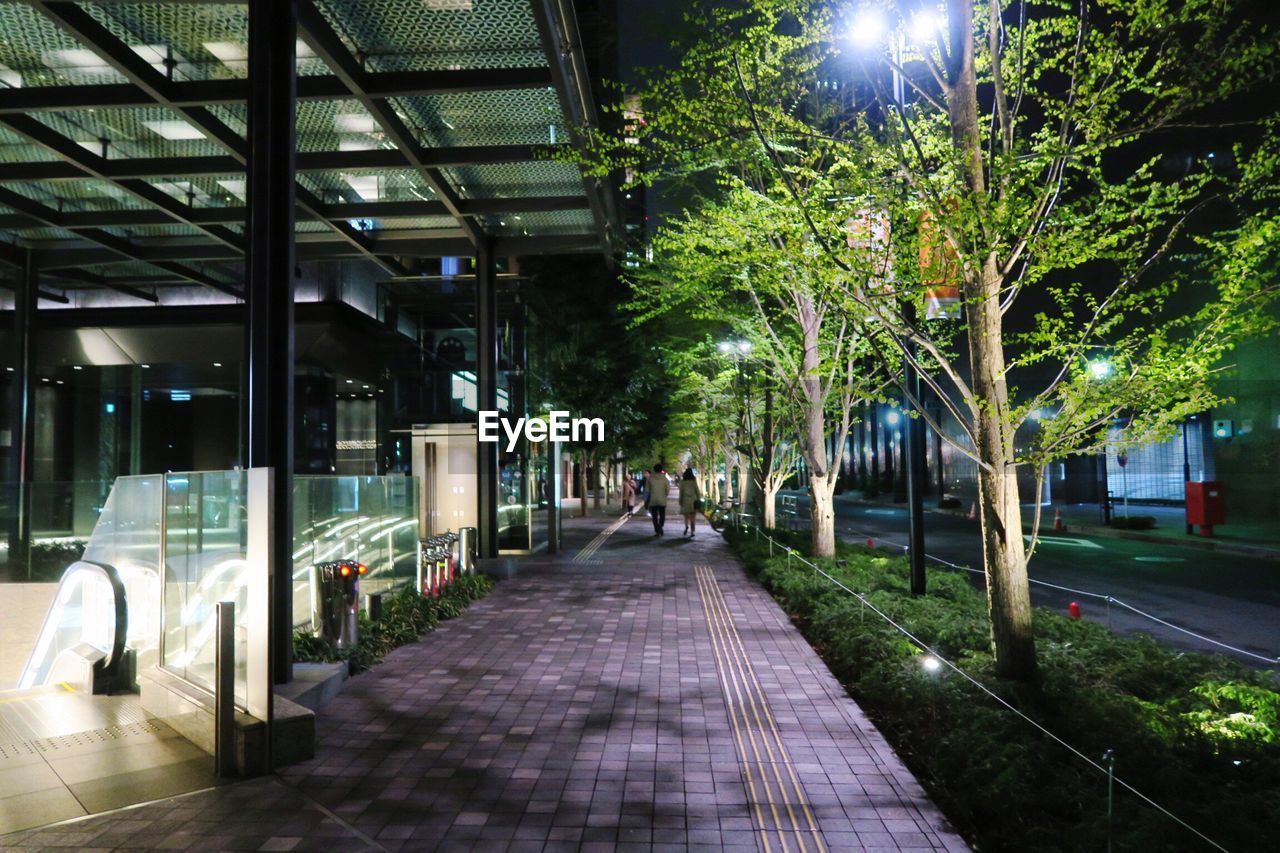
column 1057, row 520
column 973, row 511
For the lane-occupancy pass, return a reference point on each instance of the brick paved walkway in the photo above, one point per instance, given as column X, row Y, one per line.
column 633, row 694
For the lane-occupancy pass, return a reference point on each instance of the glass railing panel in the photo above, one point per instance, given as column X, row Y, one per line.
column 372, row 520
column 206, row 535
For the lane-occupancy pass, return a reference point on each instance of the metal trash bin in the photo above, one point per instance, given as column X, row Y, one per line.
column 467, row 550
column 338, row 601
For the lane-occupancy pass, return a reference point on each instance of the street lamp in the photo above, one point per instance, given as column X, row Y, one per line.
column 1100, row 369
column 869, row 28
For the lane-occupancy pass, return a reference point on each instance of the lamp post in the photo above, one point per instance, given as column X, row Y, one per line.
column 869, row 26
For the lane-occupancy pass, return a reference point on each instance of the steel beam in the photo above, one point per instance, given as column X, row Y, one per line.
column 414, row 245
column 204, row 93
column 487, row 395
column 308, row 161
column 21, row 414
column 117, row 248
column 562, row 44
column 54, row 142
column 269, row 338
column 75, row 220
column 328, row 45
column 82, row 26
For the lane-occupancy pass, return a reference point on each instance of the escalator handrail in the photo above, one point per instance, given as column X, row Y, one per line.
column 113, row 662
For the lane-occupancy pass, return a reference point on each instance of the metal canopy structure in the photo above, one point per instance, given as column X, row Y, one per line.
column 424, row 128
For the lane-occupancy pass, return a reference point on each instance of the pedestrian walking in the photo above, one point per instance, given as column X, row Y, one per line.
column 690, row 498
column 659, row 488
column 628, row 494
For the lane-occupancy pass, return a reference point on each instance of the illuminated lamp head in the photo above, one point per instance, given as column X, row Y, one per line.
column 361, row 568
column 344, row 569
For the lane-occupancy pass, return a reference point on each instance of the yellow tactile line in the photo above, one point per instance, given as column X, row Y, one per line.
column 739, row 678
column 764, row 705
column 589, row 550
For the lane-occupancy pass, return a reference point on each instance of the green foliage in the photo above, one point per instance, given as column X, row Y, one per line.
column 1198, row 734
column 406, row 616
column 49, row 559
column 586, row 360
column 1133, row 522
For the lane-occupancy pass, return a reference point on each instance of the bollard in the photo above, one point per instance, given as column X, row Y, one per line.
column 373, row 606
column 1073, row 610
column 1110, row 758
column 224, row 697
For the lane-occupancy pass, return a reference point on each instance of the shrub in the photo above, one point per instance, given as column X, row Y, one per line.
column 406, row 616
column 1133, row 522
column 1198, row 734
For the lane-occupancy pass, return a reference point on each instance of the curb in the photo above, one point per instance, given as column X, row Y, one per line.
column 1258, row 551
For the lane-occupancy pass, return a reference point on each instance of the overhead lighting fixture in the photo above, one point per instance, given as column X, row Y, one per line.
column 77, row 58
column 174, row 129
column 238, row 187
column 156, row 55
column 368, row 187
column 448, row 5
column 9, row 78
column 354, row 123
column 77, row 367
column 356, row 145
column 232, row 54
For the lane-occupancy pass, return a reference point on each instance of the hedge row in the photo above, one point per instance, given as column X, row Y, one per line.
column 406, row 616
column 1198, row 734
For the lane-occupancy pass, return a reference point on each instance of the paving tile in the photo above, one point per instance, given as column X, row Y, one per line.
column 578, row 707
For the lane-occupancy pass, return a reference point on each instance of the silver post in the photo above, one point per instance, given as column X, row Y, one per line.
column 224, row 749
column 1110, row 757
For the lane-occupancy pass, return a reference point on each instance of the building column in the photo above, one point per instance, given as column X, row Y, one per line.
column 269, row 296
column 21, row 413
column 487, row 396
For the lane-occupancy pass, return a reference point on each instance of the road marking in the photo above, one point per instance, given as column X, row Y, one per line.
column 749, row 712
column 1065, row 540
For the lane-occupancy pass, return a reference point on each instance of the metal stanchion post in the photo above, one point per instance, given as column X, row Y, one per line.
column 224, row 748
column 1110, row 758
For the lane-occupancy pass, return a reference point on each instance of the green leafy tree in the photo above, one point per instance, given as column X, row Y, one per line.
column 1013, row 151
column 592, row 364
column 745, row 259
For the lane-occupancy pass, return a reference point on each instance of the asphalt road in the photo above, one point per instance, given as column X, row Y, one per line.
column 1229, row 598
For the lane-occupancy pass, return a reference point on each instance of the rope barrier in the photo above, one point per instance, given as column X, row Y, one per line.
column 999, row 699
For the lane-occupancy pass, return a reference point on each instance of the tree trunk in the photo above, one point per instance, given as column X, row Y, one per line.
column 596, row 487
column 582, row 486
column 770, row 515
column 821, row 481
column 1004, row 560
column 822, row 516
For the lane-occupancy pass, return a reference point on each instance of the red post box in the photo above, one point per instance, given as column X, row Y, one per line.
column 1205, row 506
